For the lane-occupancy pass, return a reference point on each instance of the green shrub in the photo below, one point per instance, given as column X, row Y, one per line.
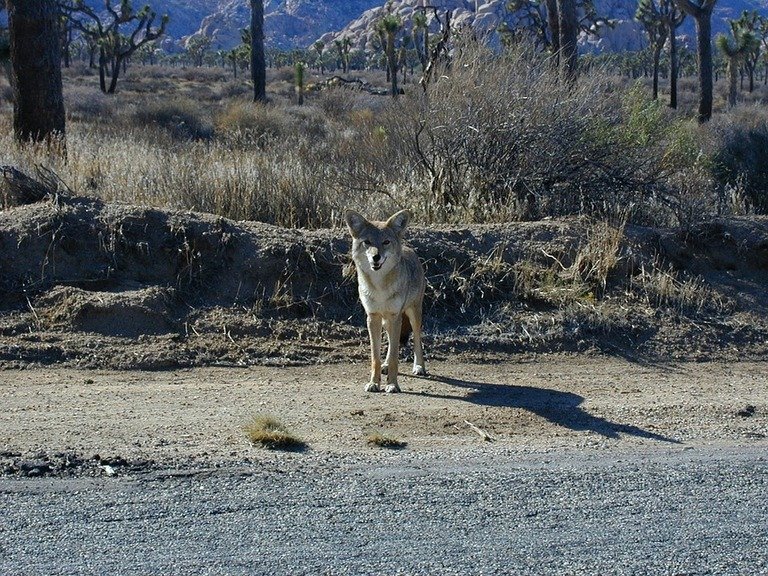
column 500, row 138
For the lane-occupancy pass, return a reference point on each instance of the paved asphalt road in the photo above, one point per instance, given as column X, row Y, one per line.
column 676, row 512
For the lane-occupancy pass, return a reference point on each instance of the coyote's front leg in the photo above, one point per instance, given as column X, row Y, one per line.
column 393, row 325
column 374, row 334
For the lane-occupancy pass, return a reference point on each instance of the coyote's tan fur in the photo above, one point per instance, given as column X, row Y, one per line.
column 391, row 283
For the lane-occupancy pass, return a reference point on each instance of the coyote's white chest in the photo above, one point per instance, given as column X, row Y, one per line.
column 380, row 296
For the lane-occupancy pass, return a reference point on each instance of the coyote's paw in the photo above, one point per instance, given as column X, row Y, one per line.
column 372, row 387
column 392, row 388
column 419, row 370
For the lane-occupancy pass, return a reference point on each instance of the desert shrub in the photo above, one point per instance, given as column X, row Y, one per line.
column 739, row 152
column 282, row 74
column 380, row 440
column 336, row 103
column 690, row 190
column 204, row 74
column 235, row 89
column 247, row 124
column 500, row 138
column 83, row 103
column 183, row 118
column 308, row 123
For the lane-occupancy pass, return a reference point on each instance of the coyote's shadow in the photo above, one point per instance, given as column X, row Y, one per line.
column 561, row 408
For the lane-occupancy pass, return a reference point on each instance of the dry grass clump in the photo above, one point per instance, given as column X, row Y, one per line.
column 270, row 433
column 581, row 276
column 378, row 439
column 665, row 288
column 82, row 103
column 183, row 118
column 250, row 124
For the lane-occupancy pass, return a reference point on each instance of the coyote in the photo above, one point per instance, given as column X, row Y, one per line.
column 391, row 284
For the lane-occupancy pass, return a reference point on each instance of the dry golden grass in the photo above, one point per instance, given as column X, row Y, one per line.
column 270, row 433
column 378, row 439
column 190, row 139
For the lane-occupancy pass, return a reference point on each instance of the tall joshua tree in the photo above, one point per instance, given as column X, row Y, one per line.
column 752, row 22
column 736, row 48
column 648, row 14
column 661, row 18
column 258, row 57
column 38, row 112
column 568, row 32
column 421, row 31
column 390, row 25
column 673, row 17
column 106, row 33
column 701, row 12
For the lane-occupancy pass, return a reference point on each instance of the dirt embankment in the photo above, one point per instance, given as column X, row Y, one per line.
column 87, row 284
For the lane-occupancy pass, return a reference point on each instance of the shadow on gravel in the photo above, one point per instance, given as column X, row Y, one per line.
column 561, row 408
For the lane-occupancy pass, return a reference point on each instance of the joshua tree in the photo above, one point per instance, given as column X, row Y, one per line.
column 299, row 82
column 197, row 45
column 107, row 33
column 258, row 59
column 38, row 110
column 649, row 16
column 755, row 24
column 389, row 26
column 319, row 47
column 568, row 31
column 701, row 12
column 421, row 30
column 673, row 17
column 65, row 38
column 554, row 26
column 343, row 47
column 735, row 49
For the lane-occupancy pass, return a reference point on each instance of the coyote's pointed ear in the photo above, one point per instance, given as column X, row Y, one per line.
column 397, row 222
column 355, row 222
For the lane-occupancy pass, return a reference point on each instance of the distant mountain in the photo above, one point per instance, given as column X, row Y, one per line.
column 287, row 23
column 298, row 23
column 185, row 15
column 485, row 17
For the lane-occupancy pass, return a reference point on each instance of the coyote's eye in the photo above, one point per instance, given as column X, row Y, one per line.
column 366, row 242
column 385, row 243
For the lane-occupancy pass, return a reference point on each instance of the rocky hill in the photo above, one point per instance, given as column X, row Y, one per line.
column 485, row 17
column 287, row 23
column 298, row 23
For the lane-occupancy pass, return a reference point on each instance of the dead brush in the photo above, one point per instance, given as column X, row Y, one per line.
column 270, row 433
column 380, row 440
column 663, row 287
column 585, row 279
column 484, row 279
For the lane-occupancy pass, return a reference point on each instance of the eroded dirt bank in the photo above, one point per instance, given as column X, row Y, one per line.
column 88, row 284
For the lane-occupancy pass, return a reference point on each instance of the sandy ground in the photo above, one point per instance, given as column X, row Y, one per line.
column 540, row 403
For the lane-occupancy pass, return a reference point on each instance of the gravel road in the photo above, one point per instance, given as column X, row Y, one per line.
column 663, row 510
